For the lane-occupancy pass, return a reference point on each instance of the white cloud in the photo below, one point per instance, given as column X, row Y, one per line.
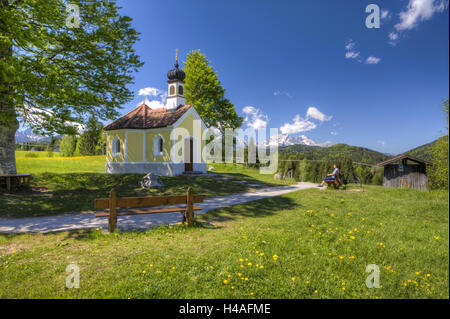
column 352, row 53
column 373, row 60
column 277, row 93
column 333, row 133
column 393, row 36
column 314, row 113
column 350, row 45
column 301, row 124
column 382, row 143
column 149, row 91
column 385, row 14
column 417, row 11
column 154, row 104
column 255, row 118
column 159, row 97
column 36, row 116
column 350, row 48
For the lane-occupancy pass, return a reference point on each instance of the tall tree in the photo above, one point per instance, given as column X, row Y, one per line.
column 204, row 91
column 68, row 145
column 88, row 141
column 60, row 62
column 439, row 171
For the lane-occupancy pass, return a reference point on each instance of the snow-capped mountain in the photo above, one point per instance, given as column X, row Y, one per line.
column 27, row 135
column 286, row 140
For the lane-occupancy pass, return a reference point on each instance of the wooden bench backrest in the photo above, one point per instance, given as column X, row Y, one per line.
column 113, row 202
column 129, row 202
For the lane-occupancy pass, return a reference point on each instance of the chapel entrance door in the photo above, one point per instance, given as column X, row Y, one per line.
column 188, row 155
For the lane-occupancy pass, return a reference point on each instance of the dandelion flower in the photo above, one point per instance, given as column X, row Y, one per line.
column 249, row 264
column 293, row 278
column 239, row 274
column 225, row 281
column 315, row 291
column 261, row 266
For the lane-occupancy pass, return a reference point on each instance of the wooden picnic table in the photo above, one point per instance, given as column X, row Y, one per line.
column 15, row 180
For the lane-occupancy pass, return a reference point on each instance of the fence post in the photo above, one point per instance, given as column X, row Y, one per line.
column 112, row 211
column 190, row 206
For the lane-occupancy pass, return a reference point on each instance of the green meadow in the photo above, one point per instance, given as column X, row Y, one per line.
column 71, row 184
column 307, row 244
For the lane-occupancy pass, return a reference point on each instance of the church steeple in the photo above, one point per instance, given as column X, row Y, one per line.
column 176, row 78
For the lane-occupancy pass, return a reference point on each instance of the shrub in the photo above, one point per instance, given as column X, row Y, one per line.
column 68, row 145
column 31, row 154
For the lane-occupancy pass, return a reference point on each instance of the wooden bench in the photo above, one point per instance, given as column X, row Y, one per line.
column 14, row 181
column 113, row 202
column 336, row 182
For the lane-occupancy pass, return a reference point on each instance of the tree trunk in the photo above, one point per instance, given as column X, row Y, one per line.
column 8, row 118
column 7, row 148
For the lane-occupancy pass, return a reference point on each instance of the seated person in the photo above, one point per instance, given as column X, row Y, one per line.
column 331, row 177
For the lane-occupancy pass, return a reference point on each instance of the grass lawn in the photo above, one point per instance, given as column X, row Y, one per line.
column 61, row 185
column 307, row 244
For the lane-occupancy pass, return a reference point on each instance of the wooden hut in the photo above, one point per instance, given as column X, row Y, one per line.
column 405, row 171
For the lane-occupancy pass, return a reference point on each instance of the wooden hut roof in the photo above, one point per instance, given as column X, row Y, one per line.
column 143, row 117
column 403, row 157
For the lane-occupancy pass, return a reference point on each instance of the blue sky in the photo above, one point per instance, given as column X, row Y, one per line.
column 310, row 67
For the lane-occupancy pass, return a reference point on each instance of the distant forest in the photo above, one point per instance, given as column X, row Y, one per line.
column 425, row 151
column 312, row 163
column 335, row 152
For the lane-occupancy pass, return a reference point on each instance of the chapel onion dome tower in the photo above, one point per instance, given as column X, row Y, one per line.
column 176, row 74
column 176, row 78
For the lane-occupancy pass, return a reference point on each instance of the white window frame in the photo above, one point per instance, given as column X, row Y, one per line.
column 114, row 146
column 156, row 142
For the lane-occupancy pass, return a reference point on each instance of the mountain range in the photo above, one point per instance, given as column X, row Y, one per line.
column 27, row 135
column 287, row 140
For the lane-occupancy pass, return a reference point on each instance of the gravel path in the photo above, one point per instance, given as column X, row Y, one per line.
column 136, row 222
